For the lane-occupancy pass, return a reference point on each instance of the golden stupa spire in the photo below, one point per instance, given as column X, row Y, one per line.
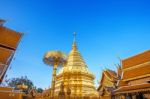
column 74, row 46
column 74, row 36
column 75, row 74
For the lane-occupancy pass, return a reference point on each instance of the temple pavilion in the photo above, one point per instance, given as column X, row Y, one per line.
column 74, row 78
column 132, row 80
column 107, row 84
column 135, row 78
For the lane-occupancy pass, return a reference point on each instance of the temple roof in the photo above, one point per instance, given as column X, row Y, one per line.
column 136, row 60
column 137, row 66
column 9, row 40
column 111, row 75
column 4, row 55
column 137, row 73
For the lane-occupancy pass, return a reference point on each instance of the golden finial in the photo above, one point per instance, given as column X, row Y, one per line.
column 74, row 36
column 74, row 41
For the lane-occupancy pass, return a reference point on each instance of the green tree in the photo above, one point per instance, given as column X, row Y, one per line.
column 14, row 82
column 39, row 90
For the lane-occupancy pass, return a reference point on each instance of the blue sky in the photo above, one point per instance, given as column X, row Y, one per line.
column 106, row 29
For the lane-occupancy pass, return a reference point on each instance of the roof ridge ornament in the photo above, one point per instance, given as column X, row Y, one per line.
column 2, row 22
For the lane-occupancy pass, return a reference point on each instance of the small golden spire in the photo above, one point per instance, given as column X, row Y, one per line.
column 74, row 36
column 74, row 47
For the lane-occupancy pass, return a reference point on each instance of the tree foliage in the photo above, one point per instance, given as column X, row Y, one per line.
column 14, row 82
column 39, row 90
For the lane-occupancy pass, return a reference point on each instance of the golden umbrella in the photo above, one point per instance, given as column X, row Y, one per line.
column 55, row 59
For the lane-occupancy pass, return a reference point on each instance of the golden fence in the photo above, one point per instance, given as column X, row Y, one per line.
column 10, row 95
column 68, row 97
column 87, row 97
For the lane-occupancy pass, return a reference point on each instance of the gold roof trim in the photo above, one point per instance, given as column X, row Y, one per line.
column 132, row 91
column 133, row 88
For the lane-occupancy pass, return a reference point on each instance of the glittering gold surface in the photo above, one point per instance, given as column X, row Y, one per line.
column 75, row 76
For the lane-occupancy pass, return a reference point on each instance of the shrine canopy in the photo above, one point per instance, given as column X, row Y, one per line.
column 9, row 40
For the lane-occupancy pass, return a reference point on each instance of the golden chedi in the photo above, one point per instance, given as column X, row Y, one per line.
column 75, row 76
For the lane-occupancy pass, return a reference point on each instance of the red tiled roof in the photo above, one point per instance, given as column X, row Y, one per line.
column 112, row 73
column 122, row 83
column 137, row 72
column 4, row 55
column 9, row 38
column 136, row 60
